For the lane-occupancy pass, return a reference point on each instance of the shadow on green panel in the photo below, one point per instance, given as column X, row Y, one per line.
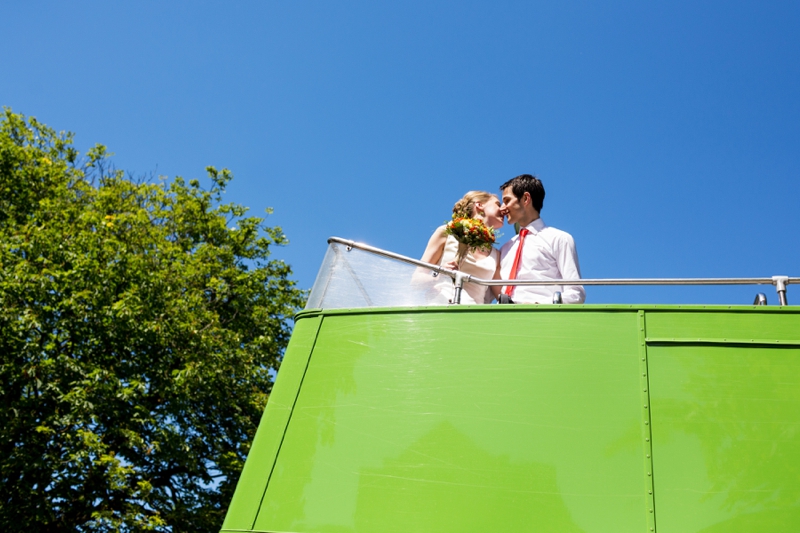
column 767, row 521
column 461, row 490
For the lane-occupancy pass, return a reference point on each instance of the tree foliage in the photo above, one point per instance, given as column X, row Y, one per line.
column 140, row 324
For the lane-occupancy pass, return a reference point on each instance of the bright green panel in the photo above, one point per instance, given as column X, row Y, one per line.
column 253, row 481
column 756, row 324
column 465, row 421
column 726, row 438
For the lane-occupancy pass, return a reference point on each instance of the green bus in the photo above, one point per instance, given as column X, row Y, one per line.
column 524, row 418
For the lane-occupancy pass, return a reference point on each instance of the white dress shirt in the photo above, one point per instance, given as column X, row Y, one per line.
column 548, row 253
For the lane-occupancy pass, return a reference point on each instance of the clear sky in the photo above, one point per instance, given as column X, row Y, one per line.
column 667, row 134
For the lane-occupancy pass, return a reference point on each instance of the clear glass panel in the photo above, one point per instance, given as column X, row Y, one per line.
column 356, row 278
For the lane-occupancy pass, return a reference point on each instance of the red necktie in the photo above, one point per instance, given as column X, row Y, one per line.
column 509, row 290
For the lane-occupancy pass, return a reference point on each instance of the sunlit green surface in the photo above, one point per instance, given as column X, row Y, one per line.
column 527, row 419
column 726, row 428
column 253, row 481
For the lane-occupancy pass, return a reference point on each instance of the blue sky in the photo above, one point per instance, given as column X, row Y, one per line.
column 667, row 134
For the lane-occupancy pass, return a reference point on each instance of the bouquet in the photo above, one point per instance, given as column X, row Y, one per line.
column 472, row 234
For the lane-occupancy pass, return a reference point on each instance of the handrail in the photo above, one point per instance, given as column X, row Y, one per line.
column 459, row 278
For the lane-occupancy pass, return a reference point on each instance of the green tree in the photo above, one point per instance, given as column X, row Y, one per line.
column 141, row 322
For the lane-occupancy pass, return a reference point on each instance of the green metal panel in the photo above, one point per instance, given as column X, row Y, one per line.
column 531, row 418
column 725, row 421
column 765, row 325
column 255, row 476
column 471, row 421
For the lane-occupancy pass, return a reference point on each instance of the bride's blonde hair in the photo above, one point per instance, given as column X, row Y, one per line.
column 464, row 207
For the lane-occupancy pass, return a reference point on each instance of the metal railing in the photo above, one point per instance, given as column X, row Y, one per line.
column 459, row 278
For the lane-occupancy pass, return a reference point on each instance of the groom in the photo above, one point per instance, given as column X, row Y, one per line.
column 538, row 252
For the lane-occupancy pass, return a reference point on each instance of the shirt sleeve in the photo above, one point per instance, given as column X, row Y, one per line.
column 567, row 259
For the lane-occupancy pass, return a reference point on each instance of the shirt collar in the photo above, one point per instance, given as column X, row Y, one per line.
column 536, row 226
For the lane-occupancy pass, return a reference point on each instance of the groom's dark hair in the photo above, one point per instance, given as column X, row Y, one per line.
column 525, row 183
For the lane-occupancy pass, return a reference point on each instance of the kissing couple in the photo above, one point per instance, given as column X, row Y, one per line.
column 537, row 252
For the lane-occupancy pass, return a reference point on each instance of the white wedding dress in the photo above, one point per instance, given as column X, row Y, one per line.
column 480, row 267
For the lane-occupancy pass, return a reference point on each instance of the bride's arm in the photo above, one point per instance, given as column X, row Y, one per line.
column 433, row 254
column 497, row 289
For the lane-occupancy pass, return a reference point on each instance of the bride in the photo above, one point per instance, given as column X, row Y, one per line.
column 442, row 248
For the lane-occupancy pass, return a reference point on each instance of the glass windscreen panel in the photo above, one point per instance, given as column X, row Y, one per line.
column 355, row 278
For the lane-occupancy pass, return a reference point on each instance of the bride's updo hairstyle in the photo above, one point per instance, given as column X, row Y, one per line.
column 464, row 207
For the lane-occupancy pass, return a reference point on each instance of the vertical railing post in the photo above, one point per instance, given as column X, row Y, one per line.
column 780, row 283
column 459, row 285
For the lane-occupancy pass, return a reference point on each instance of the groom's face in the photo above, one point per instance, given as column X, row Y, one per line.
column 512, row 207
